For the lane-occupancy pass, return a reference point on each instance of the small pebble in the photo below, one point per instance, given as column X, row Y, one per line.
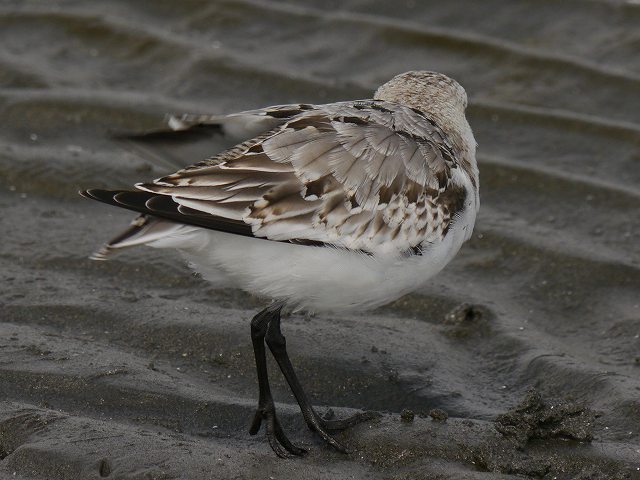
column 407, row 415
column 438, row 415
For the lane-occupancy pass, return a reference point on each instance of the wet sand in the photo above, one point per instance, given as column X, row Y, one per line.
column 137, row 369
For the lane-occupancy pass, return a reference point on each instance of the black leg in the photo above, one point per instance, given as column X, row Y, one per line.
column 266, row 409
column 278, row 346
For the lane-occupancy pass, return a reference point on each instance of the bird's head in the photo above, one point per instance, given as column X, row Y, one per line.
column 429, row 92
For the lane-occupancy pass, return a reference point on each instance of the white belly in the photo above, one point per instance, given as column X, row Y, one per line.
column 320, row 278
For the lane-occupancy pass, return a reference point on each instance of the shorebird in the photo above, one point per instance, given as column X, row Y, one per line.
column 341, row 206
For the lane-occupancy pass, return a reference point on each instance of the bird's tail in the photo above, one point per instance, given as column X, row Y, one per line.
column 143, row 230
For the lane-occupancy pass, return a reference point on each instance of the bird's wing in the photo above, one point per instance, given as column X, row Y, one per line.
column 240, row 125
column 365, row 175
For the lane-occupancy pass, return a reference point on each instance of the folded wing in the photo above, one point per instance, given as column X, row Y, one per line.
column 366, row 175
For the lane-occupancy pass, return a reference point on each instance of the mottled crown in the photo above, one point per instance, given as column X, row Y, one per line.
column 426, row 91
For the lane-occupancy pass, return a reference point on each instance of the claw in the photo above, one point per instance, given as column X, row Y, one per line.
column 317, row 424
column 332, row 441
column 278, row 441
column 285, row 442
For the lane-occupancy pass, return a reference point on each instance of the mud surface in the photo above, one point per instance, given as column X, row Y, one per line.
column 137, row 369
column 537, row 418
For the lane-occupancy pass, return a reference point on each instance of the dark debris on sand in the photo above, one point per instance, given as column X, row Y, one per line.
column 535, row 418
column 407, row 415
column 548, row 422
column 467, row 320
column 438, row 415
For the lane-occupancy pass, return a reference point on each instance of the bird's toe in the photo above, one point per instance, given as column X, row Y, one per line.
column 342, row 424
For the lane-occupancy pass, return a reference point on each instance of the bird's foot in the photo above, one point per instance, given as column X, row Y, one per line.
column 329, row 423
column 278, row 441
column 322, row 426
column 317, row 425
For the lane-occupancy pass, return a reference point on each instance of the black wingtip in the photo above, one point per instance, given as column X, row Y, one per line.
column 164, row 206
column 105, row 196
column 130, row 199
column 92, row 193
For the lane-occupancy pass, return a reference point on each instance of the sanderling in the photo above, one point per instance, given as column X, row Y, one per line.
column 343, row 206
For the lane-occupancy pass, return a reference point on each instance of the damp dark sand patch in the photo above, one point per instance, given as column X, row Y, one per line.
column 80, row 446
column 19, row 427
column 415, row 448
column 535, row 418
column 546, row 439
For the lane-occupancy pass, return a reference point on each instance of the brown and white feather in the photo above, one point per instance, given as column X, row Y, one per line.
column 368, row 175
